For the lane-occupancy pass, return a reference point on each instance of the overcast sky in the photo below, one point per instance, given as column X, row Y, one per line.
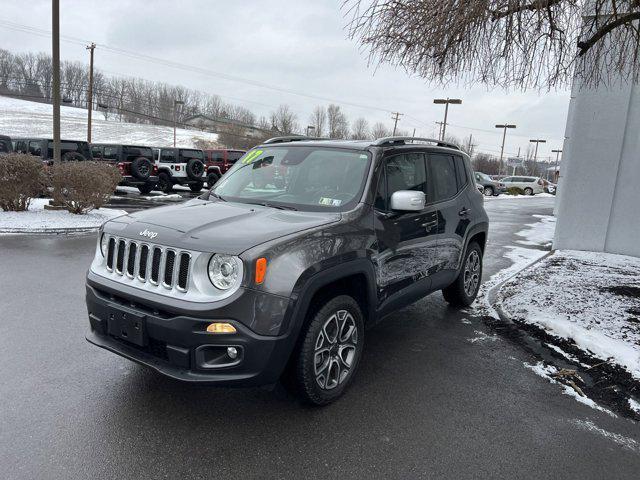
column 295, row 45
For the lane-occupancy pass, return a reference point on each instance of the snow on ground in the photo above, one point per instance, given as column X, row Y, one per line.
column 539, row 233
column 625, row 442
column 592, row 299
column 547, row 371
column 504, row 196
column 23, row 118
column 39, row 220
column 153, row 195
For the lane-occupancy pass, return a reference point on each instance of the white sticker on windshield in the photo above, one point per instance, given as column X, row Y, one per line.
column 331, row 202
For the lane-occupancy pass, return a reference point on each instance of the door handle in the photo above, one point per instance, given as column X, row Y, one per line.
column 464, row 212
column 429, row 225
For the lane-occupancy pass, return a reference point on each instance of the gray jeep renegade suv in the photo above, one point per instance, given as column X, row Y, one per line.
column 277, row 270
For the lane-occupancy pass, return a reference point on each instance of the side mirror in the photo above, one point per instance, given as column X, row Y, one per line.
column 407, row 201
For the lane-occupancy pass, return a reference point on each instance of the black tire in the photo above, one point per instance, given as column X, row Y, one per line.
column 141, row 168
column 488, row 191
column 196, row 187
column 73, row 157
column 345, row 312
column 146, row 188
column 457, row 294
column 164, row 182
column 195, row 169
column 212, row 178
column 528, row 191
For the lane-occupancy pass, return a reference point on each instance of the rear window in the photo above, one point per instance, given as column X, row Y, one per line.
column 233, row 156
column 188, row 154
column 137, row 152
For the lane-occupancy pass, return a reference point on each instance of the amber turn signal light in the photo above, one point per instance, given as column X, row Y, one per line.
column 221, row 328
column 261, row 269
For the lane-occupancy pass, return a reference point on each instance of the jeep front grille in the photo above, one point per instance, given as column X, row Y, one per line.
column 150, row 264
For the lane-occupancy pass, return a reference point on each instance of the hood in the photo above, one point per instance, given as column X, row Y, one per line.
column 211, row 226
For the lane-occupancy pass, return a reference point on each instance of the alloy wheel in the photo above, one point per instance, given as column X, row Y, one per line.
column 335, row 350
column 472, row 273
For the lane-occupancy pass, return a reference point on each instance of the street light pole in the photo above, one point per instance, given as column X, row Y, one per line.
column 537, row 141
column 555, row 169
column 504, row 136
column 91, row 48
column 55, row 62
column 446, row 102
column 175, row 121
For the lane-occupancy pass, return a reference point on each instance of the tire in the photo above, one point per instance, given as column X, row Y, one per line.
column 164, row 182
column 340, row 315
column 146, row 188
column 196, row 187
column 212, row 178
column 488, row 191
column 460, row 293
column 73, row 157
column 195, row 169
column 528, row 191
column 141, row 168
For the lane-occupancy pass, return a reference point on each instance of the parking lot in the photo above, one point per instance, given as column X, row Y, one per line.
column 437, row 394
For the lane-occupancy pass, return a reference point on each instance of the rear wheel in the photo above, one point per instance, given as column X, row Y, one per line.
column 528, row 191
column 212, row 178
column 196, row 187
column 331, row 347
column 488, row 191
column 146, row 188
column 464, row 289
column 164, row 182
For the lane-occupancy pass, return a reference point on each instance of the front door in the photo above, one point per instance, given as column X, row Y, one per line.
column 406, row 255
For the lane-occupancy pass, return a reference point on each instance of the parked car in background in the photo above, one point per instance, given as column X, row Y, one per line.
column 253, row 280
column 529, row 185
column 135, row 163
column 550, row 188
column 218, row 161
column 70, row 150
column 491, row 187
column 179, row 166
column 5, row 145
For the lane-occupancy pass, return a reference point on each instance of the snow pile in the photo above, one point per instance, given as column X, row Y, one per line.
column 21, row 118
column 39, row 220
column 505, row 196
column 539, row 233
column 592, row 299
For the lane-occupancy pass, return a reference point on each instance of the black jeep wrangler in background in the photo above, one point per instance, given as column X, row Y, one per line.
column 279, row 268
column 71, row 150
column 6, row 146
column 135, row 164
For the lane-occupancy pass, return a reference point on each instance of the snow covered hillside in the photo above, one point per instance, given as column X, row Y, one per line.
column 24, row 118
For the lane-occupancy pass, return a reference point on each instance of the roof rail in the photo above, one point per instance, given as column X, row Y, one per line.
column 289, row 138
column 390, row 140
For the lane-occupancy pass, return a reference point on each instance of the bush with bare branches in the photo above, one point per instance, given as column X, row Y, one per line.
column 22, row 177
column 83, row 186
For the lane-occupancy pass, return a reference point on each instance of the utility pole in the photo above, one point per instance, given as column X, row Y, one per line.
column 91, row 48
column 175, row 118
column 504, row 127
column 55, row 54
column 537, row 141
column 518, row 157
column 471, row 145
column 446, row 102
column 395, row 116
column 555, row 170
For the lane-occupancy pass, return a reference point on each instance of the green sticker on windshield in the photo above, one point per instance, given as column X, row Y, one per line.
column 251, row 156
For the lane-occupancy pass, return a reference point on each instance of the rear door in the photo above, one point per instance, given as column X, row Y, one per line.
column 406, row 241
column 453, row 208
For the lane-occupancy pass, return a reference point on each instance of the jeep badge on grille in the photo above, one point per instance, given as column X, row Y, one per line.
column 149, row 234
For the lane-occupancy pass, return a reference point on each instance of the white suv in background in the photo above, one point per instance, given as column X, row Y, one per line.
column 529, row 185
column 181, row 166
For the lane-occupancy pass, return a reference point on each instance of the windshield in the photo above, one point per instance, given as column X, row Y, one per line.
column 304, row 178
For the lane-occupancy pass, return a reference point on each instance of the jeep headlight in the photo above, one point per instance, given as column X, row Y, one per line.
column 225, row 271
column 104, row 244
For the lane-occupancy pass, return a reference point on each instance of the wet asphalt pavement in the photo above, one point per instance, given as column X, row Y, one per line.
column 427, row 401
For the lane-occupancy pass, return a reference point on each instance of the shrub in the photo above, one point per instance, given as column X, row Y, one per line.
column 83, row 186
column 515, row 191
column 22, row 177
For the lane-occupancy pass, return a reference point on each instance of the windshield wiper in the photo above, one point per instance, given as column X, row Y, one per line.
column 271, row 205
column 215, row 195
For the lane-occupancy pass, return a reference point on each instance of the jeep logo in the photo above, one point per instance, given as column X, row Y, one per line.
column 149, row 234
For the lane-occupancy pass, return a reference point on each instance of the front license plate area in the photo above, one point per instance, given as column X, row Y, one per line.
column 127, row 326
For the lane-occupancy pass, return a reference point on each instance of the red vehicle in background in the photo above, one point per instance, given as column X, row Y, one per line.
column 218, row 162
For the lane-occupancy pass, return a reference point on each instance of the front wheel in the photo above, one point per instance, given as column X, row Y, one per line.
column 196, row 187
column 488, row 191
column 464, row 289
column 330, row 351
column 528, row 191
column 164, row 182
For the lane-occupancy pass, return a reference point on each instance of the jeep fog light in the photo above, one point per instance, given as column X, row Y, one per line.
column 221, row 328
column 224, row 271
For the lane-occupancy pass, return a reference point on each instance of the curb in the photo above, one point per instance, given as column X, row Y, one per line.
column 49, row 231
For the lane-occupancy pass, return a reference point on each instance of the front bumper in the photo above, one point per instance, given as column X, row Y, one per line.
column 178, row 345
column 129, row 181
